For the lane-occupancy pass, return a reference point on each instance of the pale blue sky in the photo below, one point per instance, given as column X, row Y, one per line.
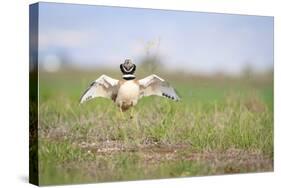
column 194, row 41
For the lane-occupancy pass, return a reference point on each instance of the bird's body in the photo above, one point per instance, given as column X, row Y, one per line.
column 126, row 93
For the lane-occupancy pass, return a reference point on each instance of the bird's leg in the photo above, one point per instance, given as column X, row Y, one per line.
column 121, row 112
column 134, row 118
column 131, row 113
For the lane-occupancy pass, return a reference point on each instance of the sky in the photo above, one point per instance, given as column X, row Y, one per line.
column 92, row 36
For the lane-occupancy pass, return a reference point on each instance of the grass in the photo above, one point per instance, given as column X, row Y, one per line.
column 219, row 127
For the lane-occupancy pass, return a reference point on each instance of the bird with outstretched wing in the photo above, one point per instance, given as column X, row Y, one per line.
column 126, row 93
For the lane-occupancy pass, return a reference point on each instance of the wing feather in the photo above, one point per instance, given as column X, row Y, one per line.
column 104, row 86
column 154, row 85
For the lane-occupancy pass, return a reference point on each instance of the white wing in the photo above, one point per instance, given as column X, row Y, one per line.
column 104, row 86
column 154, row 85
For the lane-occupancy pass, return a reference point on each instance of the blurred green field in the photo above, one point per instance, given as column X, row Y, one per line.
column 222, row 125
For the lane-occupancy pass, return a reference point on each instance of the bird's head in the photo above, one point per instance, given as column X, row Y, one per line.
column 128, row 67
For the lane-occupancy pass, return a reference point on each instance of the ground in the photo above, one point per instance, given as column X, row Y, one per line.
column 222, row 125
